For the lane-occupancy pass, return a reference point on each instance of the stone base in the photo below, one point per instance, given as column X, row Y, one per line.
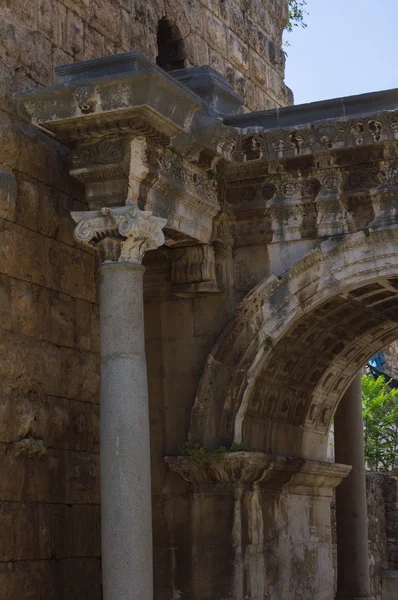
column 390, row 585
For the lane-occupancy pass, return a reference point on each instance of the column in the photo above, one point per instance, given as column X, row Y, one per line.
column 351, row 513
column 122, row 235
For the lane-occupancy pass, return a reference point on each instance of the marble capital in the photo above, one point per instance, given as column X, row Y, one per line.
column 121, row 234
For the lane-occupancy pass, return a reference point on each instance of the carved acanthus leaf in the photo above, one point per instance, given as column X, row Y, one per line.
column 122, row 234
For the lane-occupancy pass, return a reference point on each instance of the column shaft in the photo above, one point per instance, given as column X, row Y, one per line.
column 124, row 447
column 352, row 528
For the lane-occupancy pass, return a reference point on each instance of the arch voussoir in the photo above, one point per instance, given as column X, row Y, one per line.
column 250, row 380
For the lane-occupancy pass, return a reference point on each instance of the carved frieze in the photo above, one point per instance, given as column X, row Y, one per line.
column 193, row 270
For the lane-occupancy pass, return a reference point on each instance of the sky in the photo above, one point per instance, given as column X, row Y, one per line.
column 348, row 47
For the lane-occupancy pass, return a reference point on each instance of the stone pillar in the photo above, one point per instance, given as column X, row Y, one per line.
column 351, row 513
column 122, row 236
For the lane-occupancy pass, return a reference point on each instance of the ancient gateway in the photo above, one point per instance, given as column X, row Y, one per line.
column 220, row 275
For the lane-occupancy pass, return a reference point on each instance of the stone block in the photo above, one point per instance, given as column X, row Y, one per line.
column 216, row 34
column 93, row 43
column 29, row 367
column 251, row 266
column 69, row 270
column 8, row 193
column 82, row 478
column 107, row 20
column 79, row 377
column 40, row 64
column 197, row 51
column 29, row 310
column 187, row 356
column 6, row 532
column 238, row 53
column 31, row 531
column 209, row 315
column 17, row 242
column 12, row 470
column 27, row 202
column 52, row 21
column 74, row 35
column 95, row 329
column 24, row 11
column 59, row 58
column 62, row 319
column 29, row 579
column 177, row 319
column 217, row 61
column 80, row 578
column 258, row 69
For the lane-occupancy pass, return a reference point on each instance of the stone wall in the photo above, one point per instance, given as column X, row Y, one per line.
column 239, row 38
column 49, row 414
column 382, row 503
column 390, row 355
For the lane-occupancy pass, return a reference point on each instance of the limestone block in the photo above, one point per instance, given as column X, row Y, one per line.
column 232, row 13
column 40, row 63
column 82, row 478
column 250, row 266
column 83, row 325
column 31, row 531
column 74, row 35
column 213, row 6
column 258, row 69
column 93, row 44
column 62, row 319
column 83, row 8
column 59, row 57
column 177, row 319
column 13, row 476
column 79, row 375
column 29, row 314
column 94, row 329
column 69, row 270
column 15, row 242
column 238, row 53
column 29, row 367
column 217, row 61
column 236, row 79
column 8, row 193
column 6, row 533
column 25, row 11
column 209, row 315
column 80, row 578
column 216, row 34
column 107, row 20
column 197, row 51
column 187, row 356
column 52, row 21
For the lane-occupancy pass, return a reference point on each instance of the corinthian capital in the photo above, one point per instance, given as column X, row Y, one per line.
column 122, row 234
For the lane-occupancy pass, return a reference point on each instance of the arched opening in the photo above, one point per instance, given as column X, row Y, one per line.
column 171, row 52
column 276, row 376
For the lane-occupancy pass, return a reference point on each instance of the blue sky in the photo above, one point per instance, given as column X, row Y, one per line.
column 349, row 47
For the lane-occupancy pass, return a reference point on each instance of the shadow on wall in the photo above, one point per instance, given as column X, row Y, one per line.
column 170, row 46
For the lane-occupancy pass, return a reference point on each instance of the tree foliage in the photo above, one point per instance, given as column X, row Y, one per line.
column 297, row 14
column 380, row 415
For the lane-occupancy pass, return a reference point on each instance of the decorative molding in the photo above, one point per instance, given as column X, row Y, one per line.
column 122, row 234
column 193, row 270
column 269, row 471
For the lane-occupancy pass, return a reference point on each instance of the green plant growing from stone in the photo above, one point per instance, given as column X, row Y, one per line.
column 198, row 456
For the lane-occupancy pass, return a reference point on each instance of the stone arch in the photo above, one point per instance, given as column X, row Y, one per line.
column 279, row 370
column 171, row 50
